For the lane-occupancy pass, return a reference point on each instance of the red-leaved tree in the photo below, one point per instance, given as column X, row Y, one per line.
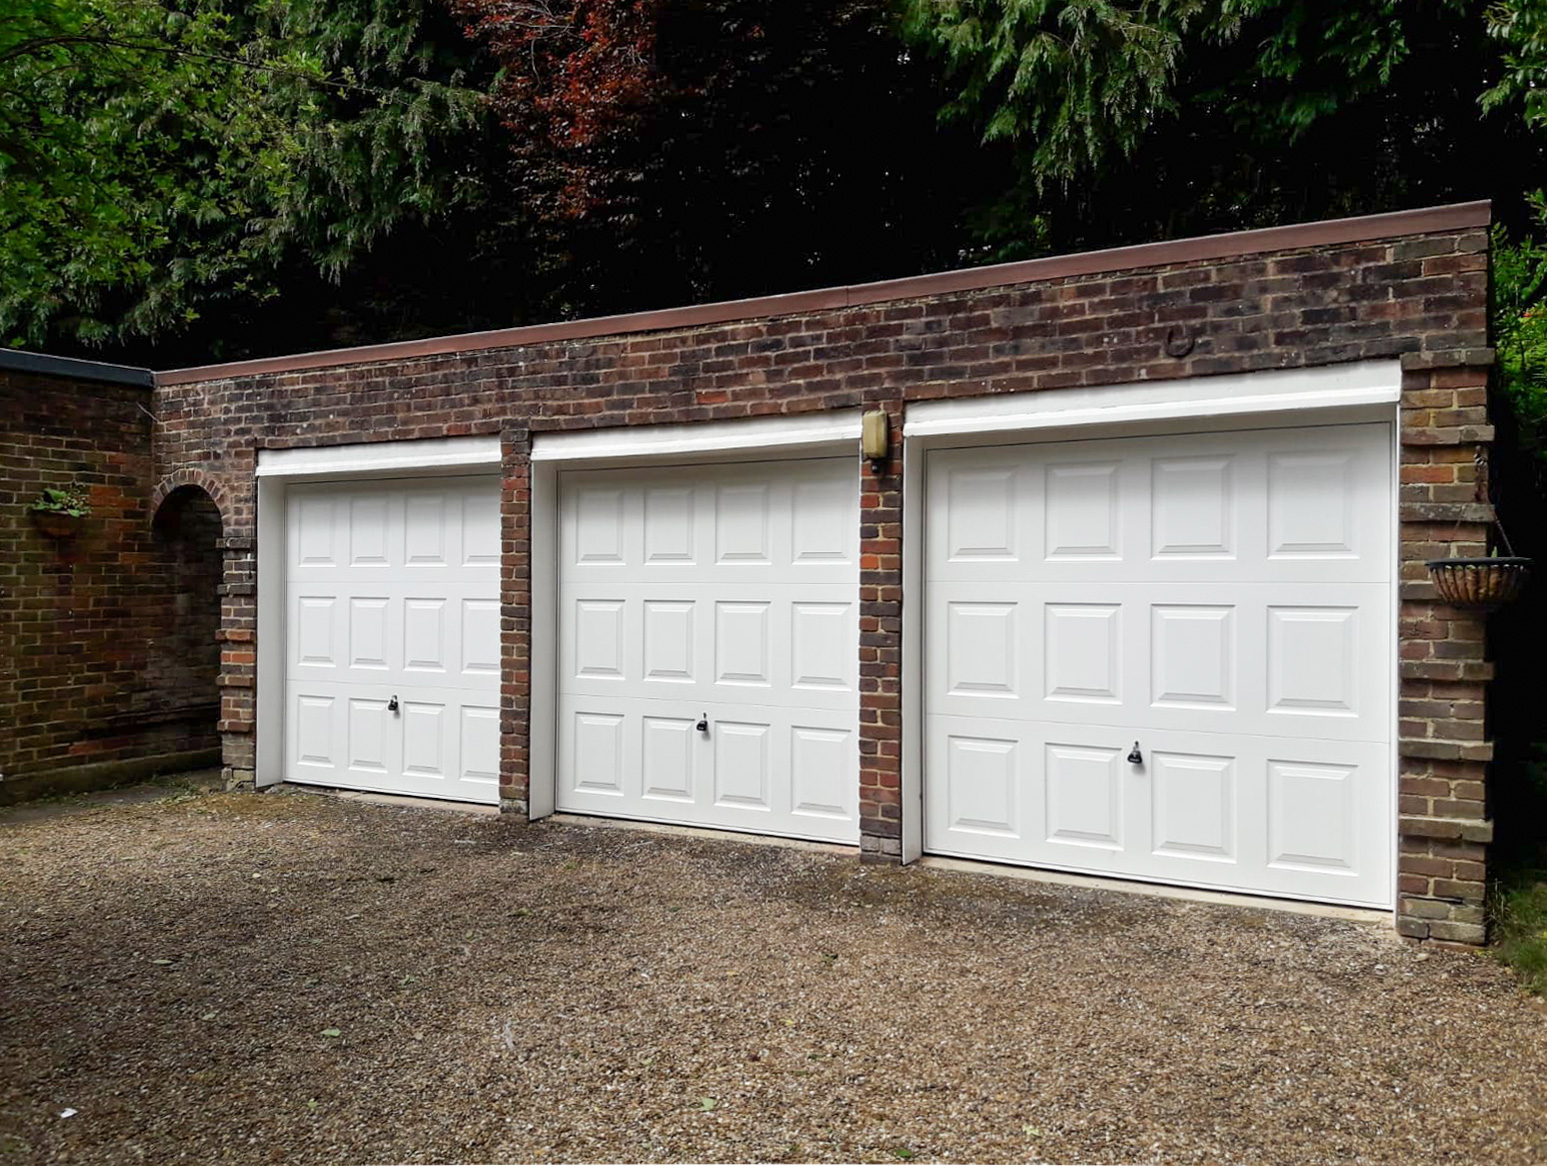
column 576, row 72
column 690, row 149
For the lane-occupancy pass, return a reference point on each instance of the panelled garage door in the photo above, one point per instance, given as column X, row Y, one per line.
column 393, row 637
column 708, row 646
column 1166, row 658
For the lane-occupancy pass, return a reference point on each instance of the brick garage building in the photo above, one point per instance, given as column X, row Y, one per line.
column 1177, row 494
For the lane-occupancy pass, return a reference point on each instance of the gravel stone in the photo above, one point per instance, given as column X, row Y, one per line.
column 272, row 978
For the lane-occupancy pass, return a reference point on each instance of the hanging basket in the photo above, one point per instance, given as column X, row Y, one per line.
column 57, row 524
column 1480, row 584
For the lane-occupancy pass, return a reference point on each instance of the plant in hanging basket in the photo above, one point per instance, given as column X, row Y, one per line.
column 60, row 511
column 1480, row 583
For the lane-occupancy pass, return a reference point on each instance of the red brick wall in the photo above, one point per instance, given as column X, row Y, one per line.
column 1420, row 298
column 98, row 661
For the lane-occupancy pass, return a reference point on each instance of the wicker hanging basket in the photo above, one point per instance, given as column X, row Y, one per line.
column 58, row 524
column 1480, row 584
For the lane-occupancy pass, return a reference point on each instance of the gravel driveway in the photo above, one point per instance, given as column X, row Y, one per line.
column 296, row 978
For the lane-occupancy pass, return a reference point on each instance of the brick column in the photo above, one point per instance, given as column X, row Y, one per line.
column 1443, row 826
column 238, row 661
column 880, row 654
column 515, row 620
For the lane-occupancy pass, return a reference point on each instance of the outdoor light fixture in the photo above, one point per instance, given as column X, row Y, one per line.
column 875, row 435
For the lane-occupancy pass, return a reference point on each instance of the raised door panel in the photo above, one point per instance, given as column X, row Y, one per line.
column 668, row 759
column 823, row 763
column 1194, row 806
column 478, row 749
column 982, row 786
column 1193, row 511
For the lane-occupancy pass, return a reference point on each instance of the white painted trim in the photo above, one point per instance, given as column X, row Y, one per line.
column 1371, row 382
column 381, row 458
column 759, row 434
column 269, row 669
column 911, row 791
column 1394, row 659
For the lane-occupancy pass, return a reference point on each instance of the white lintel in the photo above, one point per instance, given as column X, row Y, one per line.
column 1371, row 382
column 381, row 457
column 654, row 441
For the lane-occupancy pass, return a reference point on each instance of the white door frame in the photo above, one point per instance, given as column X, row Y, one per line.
column 279, row 468
column 1336, row 394
column 759, row 439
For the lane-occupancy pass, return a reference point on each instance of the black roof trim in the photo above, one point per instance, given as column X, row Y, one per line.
column 12, row 360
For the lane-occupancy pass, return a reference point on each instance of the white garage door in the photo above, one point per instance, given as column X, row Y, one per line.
column 1222, row 602
column 708, row 646
column 393, row 637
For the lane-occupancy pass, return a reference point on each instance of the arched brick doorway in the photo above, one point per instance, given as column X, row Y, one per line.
column 183, row 658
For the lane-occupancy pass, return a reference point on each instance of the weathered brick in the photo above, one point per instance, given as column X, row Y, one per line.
column 109, row 651
column 1467, row 933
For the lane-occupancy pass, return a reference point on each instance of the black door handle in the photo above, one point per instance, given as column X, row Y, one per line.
column 1135, row 757
column 392, row 704
column 703, row 723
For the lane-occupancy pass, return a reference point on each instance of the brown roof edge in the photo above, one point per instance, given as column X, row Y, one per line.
column 1330, row 232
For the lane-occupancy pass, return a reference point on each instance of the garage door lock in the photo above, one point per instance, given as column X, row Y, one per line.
column 392, row 704
column 703, row 723
column 1135, row 757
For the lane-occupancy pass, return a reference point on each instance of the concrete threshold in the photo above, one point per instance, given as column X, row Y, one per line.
column 929, row 862
column 402, row 800
column 701, row 832
column 1161, row 891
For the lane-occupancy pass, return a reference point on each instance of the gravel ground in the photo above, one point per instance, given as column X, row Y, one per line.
column 296, row 978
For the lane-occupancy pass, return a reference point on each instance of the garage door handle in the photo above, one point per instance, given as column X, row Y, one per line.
column 1135, row 757
column 392, row 704
column 703, row 723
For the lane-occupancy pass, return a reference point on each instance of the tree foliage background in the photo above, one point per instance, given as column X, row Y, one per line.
column 186, row 180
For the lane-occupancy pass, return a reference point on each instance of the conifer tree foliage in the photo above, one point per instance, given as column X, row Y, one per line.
column 163, row 160
column 1236, row 112
column 134, row 150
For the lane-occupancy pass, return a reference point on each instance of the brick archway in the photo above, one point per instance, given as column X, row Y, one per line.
column 192, row 477
column 232, row 630
column 187, row 556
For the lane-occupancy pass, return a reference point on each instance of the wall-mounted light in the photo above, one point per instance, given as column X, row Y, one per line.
column 875, row 435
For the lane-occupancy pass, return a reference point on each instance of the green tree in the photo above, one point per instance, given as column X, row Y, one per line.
column 1520, row 29
column 1236, row 113
column 1520, row 263
column 135, row 148
column 162, row 161
column 1520, row 328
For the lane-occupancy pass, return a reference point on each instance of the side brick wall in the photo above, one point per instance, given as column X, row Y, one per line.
column 1420, row 298
column 98, row 664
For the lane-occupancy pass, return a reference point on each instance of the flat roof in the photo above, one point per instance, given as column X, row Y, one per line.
column 1330, row 232
column 15, row 360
